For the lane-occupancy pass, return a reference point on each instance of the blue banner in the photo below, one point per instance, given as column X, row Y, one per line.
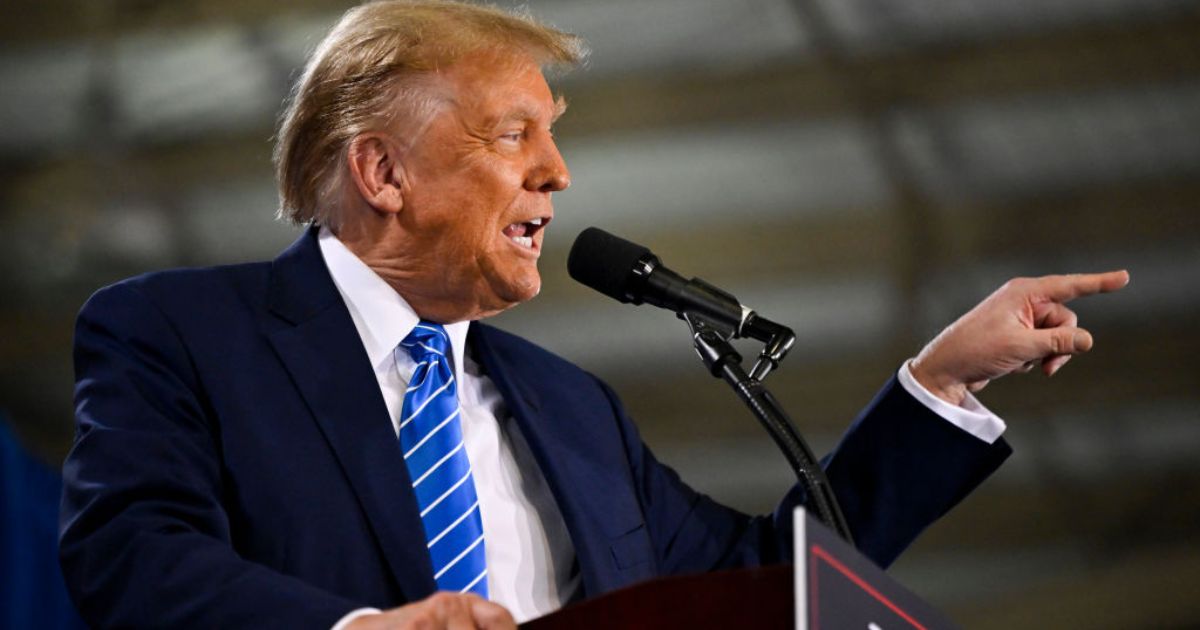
column 32, row 594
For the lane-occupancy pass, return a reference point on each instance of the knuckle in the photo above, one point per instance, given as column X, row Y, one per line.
column 1016, row 284
column 441, row 603
column 1059, row 343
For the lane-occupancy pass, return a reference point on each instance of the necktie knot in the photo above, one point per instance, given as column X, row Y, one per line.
column 426, row 338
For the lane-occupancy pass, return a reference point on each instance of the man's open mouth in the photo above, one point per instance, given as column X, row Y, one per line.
column 522, row 233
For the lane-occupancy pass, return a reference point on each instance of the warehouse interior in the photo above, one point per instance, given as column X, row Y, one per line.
column 862, row 171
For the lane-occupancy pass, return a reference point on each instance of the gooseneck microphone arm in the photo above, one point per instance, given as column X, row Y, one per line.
column 724, row 362
column 630, row 273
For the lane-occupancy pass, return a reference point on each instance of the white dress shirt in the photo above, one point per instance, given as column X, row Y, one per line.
column 530, row 558
column 971, row 416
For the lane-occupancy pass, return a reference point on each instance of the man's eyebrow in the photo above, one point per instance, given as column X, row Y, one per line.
column 527, row 113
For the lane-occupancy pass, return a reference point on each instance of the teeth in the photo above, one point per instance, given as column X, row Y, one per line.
column 537, row 221
column 523, row 241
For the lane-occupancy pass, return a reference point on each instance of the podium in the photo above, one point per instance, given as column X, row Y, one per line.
column 829, row 587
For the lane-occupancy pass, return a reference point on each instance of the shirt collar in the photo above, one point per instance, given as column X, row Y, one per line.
column 382, row 317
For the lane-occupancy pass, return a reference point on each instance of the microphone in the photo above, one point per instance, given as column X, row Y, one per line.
column 631, row 273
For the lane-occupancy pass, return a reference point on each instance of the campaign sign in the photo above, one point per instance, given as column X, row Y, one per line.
column 838, row 588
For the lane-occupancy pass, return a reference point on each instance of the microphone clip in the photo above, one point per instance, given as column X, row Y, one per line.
column 713, row 333
column 778, row 341
column 711, row 341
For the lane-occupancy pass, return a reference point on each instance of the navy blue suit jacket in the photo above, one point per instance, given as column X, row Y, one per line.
column 234, row 463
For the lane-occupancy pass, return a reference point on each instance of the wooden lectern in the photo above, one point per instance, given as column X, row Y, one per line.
column 830, row 587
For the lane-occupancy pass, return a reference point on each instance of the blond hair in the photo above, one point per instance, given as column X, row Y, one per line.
column 371, row 70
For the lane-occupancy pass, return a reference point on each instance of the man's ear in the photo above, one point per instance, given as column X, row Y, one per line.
column 375, row 167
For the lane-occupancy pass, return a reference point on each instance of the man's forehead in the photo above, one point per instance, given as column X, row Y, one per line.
column 504, row 92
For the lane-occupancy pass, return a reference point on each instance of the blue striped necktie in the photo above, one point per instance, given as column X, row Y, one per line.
column 432, row 442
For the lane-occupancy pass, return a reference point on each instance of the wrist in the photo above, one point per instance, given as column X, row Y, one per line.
column 351, row 619
column 945, row 388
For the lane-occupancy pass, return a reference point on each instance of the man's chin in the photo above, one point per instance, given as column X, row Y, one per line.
column 509, row 292
column 524, row 289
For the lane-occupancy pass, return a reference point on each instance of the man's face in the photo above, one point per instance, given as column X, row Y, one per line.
column 477, row 185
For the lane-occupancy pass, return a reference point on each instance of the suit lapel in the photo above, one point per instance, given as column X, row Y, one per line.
column 555, row 453
column 325, row 357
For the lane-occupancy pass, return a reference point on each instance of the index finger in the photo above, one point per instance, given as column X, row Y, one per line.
column 1070, row 286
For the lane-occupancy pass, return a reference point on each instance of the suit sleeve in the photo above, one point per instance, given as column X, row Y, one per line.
column 898, row 468
column 144, row 540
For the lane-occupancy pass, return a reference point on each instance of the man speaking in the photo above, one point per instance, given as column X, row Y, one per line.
column 332, row 439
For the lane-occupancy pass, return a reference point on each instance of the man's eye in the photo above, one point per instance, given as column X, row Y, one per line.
column 514, row 136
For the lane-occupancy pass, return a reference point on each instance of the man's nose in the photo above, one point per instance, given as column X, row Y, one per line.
column 550, row 174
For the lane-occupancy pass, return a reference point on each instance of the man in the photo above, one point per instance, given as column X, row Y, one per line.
column 234, row 461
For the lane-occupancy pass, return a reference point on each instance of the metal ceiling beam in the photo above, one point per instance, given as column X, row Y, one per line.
column 1071, row 59
column 1068, row 61
column 36, row 22
column 1076, row 59
column 1118, row 217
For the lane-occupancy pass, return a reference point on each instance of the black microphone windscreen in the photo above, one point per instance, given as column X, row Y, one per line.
column 604, row 262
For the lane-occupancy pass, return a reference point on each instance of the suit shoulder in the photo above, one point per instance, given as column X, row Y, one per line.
column 187, row 279
column 189, row 287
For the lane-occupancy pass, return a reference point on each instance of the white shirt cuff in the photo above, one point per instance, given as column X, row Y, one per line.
column 971, row 417
column 352, row 615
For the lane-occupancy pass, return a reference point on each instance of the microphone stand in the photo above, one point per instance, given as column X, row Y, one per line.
column 712, row 344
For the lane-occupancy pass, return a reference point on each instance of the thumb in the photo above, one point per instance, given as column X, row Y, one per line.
column 1062, row 340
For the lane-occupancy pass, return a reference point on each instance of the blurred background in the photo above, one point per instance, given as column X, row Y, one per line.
column 861, row 170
